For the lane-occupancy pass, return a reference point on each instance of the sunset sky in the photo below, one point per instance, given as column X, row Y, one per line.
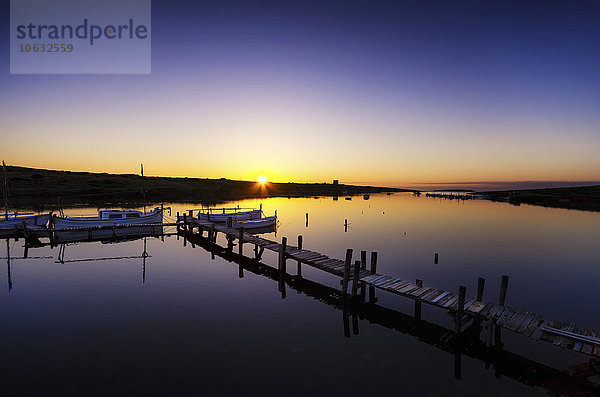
column 387, row 93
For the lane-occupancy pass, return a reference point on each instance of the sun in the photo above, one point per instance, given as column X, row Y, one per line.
column 262, row 179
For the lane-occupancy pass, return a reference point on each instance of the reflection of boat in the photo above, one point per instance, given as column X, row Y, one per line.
column 72, row 236
column 261, row 223
column 109, row 218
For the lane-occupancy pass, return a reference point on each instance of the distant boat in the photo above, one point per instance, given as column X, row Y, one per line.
column 261, row 223
column 389, row 193
column 347, row 198
column 110, row 218
column 366, row 196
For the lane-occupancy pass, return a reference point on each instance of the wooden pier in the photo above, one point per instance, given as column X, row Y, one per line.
column 462, row 307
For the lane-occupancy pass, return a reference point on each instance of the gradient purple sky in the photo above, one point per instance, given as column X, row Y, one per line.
column 387, row 93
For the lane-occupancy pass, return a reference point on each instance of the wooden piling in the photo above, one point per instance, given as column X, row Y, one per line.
column 282, row 260
column 355, row 278
column 419, row 283
column 299, row 273
column 462, row 290
column 435, row 259
column 346, row 278
column 363, row 260
column 480, row 286
column 282, row 266
column 503, row 287
column 373, row 271
column 241, row 241
column 307, row 219
column 373, row 262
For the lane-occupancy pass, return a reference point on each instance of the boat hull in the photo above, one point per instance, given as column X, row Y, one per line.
column 237, row 216
column 83, row 222
column 267, row 222
column 34, row 222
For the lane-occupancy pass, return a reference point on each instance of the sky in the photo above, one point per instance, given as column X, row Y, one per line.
column 395, row 93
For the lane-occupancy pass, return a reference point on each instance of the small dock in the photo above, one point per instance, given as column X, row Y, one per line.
column 463, row 308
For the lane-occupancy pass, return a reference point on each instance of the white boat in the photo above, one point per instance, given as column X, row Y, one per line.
column 32, row 221
column 213, row 216
column 261, row 223
column 110, row 218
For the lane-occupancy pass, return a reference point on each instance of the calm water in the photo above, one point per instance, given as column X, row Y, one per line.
column 187, row 324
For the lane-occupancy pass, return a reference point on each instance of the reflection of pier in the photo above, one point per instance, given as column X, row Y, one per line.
column 463, row 308
column 466, row 343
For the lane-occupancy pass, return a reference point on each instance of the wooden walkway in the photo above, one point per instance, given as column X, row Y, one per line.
column 464, row 308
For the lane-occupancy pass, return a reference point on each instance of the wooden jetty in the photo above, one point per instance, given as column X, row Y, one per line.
column 467, row 343
column 462, row 307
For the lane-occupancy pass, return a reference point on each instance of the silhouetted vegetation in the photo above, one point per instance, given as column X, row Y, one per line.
column 30, row 187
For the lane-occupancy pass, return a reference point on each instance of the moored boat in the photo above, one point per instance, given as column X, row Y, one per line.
column 220, row 215
column 265, row 222
column 110, row 218
column 8, row 222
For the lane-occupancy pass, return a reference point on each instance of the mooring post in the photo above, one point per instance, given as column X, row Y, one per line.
column 346, row 278
column 363, row 260
column 307, row 219
column 191, row 212
column 435, row 258
column 480, row 286
column 345, row 225
column 177, row 222
column 282, row 261
column 462, row 290
column 299, row 273
column 373, row 271
column 114, row 231
column 503, row 287
column 211, row 236
column 282, row 266
column 241, row 241
column 419, row 284
column 355, row 278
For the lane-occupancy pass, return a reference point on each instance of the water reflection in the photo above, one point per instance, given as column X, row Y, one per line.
column 468, row 343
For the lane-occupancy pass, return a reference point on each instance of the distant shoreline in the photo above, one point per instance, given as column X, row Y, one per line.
column 42, row 189
column 586, row 198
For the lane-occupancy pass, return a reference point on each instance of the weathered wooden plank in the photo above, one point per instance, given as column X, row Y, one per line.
column 525, row 323
column 430, row 296
column 565, row 340
column 516, row 320
column 468, row 303
column 381, row 281
column 476, row 307
column 440, row 297
column 408, row 288
column 389, row 282
column 401, row 285
column 445, row 299
column 534, row 324
column 420, row 291
column 506, row 315
column 451, row 301
column 486, row 309
column 375, row 277
column 395, row 285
